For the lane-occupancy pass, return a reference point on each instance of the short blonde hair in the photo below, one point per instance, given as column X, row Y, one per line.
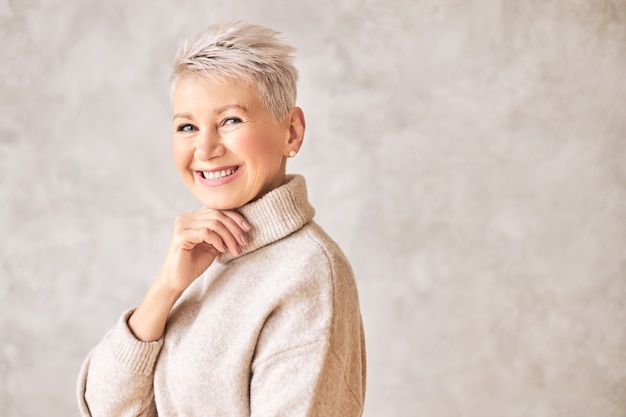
column 246, row 52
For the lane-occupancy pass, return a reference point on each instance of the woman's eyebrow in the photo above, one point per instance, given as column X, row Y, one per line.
column 219, row 110
column 182, row 116
column 230, row 106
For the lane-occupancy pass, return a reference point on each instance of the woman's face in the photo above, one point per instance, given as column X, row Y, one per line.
column 227, row 147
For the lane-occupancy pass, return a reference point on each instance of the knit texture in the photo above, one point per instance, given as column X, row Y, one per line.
column 274, row 332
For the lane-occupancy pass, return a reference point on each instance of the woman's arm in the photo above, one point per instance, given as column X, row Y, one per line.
column 308, row 381
column 310, row 357
column 117, row 378
column 197, row 240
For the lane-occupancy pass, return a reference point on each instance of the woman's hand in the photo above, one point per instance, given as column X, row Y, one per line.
column 198, row 238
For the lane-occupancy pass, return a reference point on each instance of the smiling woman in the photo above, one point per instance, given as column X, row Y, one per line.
column 228, row 148
column 255, row 310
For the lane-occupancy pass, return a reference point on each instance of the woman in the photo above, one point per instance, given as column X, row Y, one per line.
column 255, row 309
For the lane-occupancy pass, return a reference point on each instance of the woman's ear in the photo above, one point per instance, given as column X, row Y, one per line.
column 297, row 125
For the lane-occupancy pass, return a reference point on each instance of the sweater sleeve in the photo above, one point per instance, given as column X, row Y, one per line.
column 306, row 381
column 116, row 379
column 310, row 355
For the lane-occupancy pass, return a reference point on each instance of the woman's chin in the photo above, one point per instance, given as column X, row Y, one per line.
column 222, row 202
column 220, row 205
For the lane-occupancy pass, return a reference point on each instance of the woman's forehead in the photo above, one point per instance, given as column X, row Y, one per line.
column 205, row 95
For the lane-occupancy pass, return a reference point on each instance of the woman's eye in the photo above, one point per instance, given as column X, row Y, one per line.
column 185, row 128
column 231, row 121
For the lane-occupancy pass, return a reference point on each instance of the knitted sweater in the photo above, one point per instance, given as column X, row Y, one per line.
column 274, row 332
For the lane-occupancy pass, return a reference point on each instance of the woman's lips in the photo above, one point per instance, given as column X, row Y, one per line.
column 218, row 176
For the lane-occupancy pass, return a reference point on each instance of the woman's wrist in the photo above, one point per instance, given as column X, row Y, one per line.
column 148, row 321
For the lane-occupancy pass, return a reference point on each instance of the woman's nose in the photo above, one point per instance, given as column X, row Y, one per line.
column 208, row 146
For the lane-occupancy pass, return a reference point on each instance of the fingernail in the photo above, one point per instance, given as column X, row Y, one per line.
column 246, row 225
column 243, row 239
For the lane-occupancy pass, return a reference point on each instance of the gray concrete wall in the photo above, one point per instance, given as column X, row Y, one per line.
column 469, row 156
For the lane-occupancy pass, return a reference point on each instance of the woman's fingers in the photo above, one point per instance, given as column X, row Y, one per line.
column 219, row 232
column 238, row 219
column 231, row 220
column 208, row 236
column 237, row 225
column 198, row 238
column 225, row 230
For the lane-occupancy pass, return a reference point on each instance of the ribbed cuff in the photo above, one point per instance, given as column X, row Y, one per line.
column 133, row 354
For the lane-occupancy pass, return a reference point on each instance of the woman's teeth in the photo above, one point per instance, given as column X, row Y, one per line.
column 216, row 175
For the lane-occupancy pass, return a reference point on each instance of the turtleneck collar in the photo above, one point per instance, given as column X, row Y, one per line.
column 277, row 214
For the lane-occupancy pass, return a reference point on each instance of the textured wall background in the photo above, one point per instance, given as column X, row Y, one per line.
column 469, row 156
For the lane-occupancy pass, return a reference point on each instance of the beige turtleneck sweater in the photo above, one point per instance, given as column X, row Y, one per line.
column 275, row 332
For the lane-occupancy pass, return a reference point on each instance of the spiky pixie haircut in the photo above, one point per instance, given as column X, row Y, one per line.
column 244, row 52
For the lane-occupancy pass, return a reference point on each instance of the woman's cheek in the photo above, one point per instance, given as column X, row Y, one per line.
column 180, row 155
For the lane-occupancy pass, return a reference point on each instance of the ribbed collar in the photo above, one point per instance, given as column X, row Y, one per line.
column 277, row 214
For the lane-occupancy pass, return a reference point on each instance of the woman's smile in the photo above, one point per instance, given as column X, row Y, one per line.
column 219, row 176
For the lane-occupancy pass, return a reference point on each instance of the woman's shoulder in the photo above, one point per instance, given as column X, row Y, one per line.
column 311, row 244
column 307, row 261
column 324, row 243
column 312, row 257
